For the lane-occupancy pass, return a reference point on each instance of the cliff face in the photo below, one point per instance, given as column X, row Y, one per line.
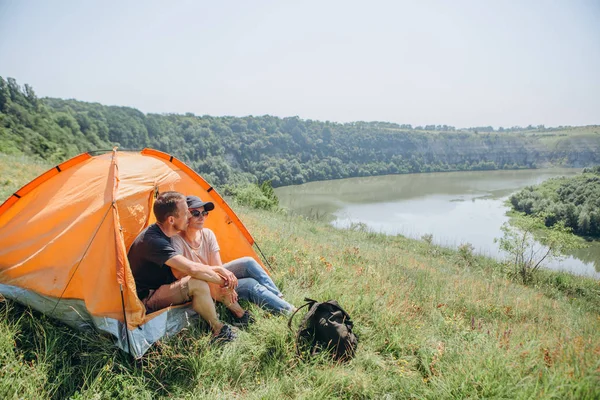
column 410, row 152
column 525, row 151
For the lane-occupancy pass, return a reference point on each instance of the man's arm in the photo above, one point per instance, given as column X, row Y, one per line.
column 218, row 275
column 195, row 270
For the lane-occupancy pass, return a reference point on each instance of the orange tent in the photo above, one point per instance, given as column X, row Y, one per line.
column 64, row 239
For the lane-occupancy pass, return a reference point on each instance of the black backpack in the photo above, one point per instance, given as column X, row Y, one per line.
column 326, row 326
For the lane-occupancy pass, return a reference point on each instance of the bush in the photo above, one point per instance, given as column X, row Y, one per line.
column 257, row 196
column 520, row 241
column 427, row 238
column 465, row 254
column 592, row 170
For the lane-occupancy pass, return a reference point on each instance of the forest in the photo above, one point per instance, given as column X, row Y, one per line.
column 284, row 151
column 575, row 201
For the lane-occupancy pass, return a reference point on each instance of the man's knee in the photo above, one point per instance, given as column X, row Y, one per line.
column 198, row 287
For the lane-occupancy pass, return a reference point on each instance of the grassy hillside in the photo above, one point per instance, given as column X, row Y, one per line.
column 17, row 170
column 433, row 323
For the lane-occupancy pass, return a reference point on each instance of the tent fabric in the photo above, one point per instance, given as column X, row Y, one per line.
column 165, row 323
column 64, row 239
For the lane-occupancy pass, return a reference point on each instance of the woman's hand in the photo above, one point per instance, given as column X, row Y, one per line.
column 228, row 294
column 233, row 296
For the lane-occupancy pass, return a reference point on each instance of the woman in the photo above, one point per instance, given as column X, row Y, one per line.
column 200, row 244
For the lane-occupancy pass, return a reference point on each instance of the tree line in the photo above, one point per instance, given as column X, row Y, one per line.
column 253, row 149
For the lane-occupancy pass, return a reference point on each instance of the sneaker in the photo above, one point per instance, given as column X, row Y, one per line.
column 226, row 335
column 244, row 320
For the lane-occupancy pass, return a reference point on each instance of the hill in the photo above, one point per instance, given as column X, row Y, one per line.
column 433, row 323
column 232, row 150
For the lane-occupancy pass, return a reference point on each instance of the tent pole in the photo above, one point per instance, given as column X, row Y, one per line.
column 125, row 318
column 263, row 256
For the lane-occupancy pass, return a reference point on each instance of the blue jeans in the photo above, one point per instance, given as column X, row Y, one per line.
column 256, row 286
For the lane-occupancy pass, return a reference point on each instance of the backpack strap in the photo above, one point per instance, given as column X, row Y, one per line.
column 314, row 305
column 311, row 303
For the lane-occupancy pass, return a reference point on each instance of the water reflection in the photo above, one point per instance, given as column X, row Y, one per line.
column 455, row 207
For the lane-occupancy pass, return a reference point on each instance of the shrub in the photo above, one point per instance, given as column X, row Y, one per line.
column 520, row 241
column 428, row 238
column 257, row 196
column 465, row 254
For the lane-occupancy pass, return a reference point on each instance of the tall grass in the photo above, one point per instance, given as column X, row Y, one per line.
column 431, row 325
column 16, row 171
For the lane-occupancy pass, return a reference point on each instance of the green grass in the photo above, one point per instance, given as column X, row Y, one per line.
column 566, row 137
column 16, row 171
column 433, row 323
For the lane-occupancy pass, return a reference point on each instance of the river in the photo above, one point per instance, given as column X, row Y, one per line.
column 454, row 207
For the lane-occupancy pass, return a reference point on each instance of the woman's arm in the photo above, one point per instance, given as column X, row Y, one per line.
column 215, row 258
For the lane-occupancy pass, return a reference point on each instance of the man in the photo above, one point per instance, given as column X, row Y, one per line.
column 152, row 256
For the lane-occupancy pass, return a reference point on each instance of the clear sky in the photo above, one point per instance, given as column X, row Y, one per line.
column 454, row 62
